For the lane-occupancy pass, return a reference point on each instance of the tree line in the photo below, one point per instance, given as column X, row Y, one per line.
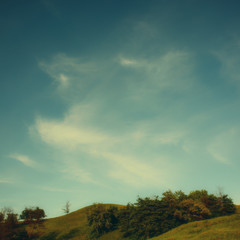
column 149, row 217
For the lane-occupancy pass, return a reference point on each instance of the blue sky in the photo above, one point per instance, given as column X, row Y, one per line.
column 102, row 101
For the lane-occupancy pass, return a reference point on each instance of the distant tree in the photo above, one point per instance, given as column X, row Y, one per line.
column 8, row 224
column 33, row 217
column 66, row 208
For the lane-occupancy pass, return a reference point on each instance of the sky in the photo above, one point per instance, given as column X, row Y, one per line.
column 104, row 101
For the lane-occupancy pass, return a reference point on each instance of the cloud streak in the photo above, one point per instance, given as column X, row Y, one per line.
column 24, row 160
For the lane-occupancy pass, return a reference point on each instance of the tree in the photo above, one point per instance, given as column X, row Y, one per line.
column 66, row 208
column 8, row 224
column 33, row 217
column 148, row 217
column 102, row 219
column 191, row 210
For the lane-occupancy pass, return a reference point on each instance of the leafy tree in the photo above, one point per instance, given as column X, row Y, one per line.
column 227, row 206
column 102, row 219
column 190, row 210
column 33, row 217
column 147, row 218
column 198, row 194
column 8, row 224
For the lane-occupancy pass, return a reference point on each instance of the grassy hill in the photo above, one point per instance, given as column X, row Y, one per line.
column 73, row 226
column 221, row 228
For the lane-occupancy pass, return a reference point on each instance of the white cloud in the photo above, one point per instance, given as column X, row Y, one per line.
column 79, row 130
column 131, row 170
column 67, row 135
column 127, row 62
column 64, row 80
column 171, row 72
column 76, row 133
column 23, row 159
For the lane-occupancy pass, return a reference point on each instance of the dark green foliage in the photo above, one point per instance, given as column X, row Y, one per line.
column 147, row 218
column 8, row 224
column 227, row 206
column 102, row 219
column 32, row 215
column 189, row 210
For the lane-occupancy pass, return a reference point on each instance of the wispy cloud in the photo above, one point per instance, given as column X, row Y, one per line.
column 85, row 127
column 23, row 159
column 67, row 70
column 127, row 62
column 5, row 181
column 77, row 133
column 67, row 135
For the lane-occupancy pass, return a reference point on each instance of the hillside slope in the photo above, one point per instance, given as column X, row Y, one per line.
column 73, row 226
column 221, row 228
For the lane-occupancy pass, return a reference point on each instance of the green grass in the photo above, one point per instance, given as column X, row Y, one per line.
column 221, row 228
column 73, row 226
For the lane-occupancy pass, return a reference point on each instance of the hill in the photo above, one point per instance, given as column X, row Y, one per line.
column 221, row 228
column 73, row 226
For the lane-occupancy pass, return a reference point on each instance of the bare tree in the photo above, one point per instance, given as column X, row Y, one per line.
column 220, row 192
column 66, row 208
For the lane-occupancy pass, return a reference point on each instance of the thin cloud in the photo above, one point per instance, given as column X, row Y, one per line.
column 127, row 62
column 65, row 134
column 5, row 181
column 66, row 70
column 79, row 135
column 23, row 159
